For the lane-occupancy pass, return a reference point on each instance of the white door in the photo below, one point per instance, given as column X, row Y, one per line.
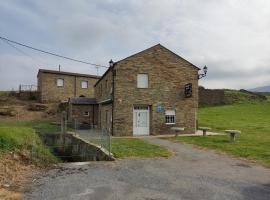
column 141, row 120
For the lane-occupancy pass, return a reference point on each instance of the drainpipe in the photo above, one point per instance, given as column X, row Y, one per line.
column 113, row 76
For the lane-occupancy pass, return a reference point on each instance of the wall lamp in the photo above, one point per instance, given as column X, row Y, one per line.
column 204, row 74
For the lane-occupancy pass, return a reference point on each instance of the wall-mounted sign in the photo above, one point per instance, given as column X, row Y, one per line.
column 159, row 108
column 188, row 90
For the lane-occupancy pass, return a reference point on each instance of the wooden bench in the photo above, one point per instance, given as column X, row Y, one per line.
column 204, row 130
column 177, row 130
column 232, row 134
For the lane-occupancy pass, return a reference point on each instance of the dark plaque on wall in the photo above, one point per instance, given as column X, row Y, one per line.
column 188, row 90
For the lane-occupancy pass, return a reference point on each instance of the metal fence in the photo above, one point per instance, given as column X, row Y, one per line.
column 58, row 142
column 89, row 132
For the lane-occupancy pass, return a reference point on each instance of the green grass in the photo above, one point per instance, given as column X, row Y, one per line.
column 134, row 147
column 23, row 139
column 253, row 119
column 41, row 126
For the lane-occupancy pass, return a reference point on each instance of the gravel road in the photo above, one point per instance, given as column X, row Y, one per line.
column 190, row 174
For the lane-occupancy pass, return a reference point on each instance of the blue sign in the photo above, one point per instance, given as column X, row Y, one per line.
column 159, row 108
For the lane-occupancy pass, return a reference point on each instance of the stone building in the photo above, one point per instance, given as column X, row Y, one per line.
column 148, row 93
column 144, row 94
column 83, row 110
column 56, row 86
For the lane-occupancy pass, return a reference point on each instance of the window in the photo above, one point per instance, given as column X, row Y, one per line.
column 84, row 84
column 170, row 117
column 60, row 82
column 142, row 81
column 86, row 113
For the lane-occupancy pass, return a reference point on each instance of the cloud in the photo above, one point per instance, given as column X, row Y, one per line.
column 230, row 37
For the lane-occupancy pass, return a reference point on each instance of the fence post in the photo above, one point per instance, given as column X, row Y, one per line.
column 109, row 139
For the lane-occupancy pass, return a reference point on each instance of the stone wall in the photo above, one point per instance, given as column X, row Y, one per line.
column 50, row 92
column 104, row 92
column 168, row 74
column 77, row 112
column 211, row 96
column 103, row 88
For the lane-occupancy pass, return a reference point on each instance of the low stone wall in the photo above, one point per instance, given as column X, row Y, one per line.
column 211, row 97
column 70, row 147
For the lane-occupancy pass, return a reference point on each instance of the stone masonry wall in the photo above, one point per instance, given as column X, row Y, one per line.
column 211, row 96
column 103, row 89
column 50, row 92
column 78, row 112
column 168, row 74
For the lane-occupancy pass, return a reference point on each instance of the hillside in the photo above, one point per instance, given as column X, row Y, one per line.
column 243, row 96
column 244, row 113
column 14, row 108
column 260, row 89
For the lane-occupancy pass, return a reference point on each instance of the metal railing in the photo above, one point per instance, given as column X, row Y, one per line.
column 90, row 133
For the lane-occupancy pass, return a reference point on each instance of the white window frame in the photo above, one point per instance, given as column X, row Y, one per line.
column 170, row 117
column 58, row 83
column 142, row 80
column 82, row 84
column 86, row 113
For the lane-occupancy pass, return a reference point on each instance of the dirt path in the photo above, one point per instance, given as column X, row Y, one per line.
column 190, row 174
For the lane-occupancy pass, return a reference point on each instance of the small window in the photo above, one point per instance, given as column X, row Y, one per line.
column 60, row 82
column 170, row 117
column 84, row 84
column 86, row 113
column 142, row 81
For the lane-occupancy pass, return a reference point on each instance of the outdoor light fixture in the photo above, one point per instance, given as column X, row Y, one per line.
column 111, row 63
column 204, row 74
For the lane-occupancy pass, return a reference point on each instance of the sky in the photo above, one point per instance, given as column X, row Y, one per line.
column 230, row 37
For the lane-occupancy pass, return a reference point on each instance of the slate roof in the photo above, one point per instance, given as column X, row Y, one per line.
column 67, row 73
column 82, row 101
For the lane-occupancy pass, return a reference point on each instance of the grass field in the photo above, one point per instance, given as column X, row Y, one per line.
column 253, row 119
column 23, row 140
column 134, row 147
column 37, row 125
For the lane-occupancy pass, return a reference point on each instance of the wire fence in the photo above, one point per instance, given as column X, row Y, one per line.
column 64, row 146
column 90, row 133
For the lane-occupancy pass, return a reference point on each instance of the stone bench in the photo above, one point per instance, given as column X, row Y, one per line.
column 232, row 134
column 204, row 130
column 177, row 130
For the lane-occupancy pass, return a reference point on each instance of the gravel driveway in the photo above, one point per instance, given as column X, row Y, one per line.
column 190, row 174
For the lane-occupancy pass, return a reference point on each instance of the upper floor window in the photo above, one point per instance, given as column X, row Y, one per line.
column 60, row 82
column 170, row 116
column 142, row 81
column 84, row 84
column 86, row 113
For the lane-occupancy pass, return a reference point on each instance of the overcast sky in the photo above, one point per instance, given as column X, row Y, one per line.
column 231, row 37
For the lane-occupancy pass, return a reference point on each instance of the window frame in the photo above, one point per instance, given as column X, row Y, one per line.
column 170, row 117
column 86, row 115
column 84, row 81
column 139, row 86
column 63, row 82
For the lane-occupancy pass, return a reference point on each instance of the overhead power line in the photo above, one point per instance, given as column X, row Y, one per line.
column 50, row 53
column 22, row 52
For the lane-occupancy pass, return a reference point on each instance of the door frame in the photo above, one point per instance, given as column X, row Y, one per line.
column 135, row 111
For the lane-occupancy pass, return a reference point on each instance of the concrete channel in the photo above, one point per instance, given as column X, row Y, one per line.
column 71, row 148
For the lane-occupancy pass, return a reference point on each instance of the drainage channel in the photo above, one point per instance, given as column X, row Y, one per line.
column 71, row 148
